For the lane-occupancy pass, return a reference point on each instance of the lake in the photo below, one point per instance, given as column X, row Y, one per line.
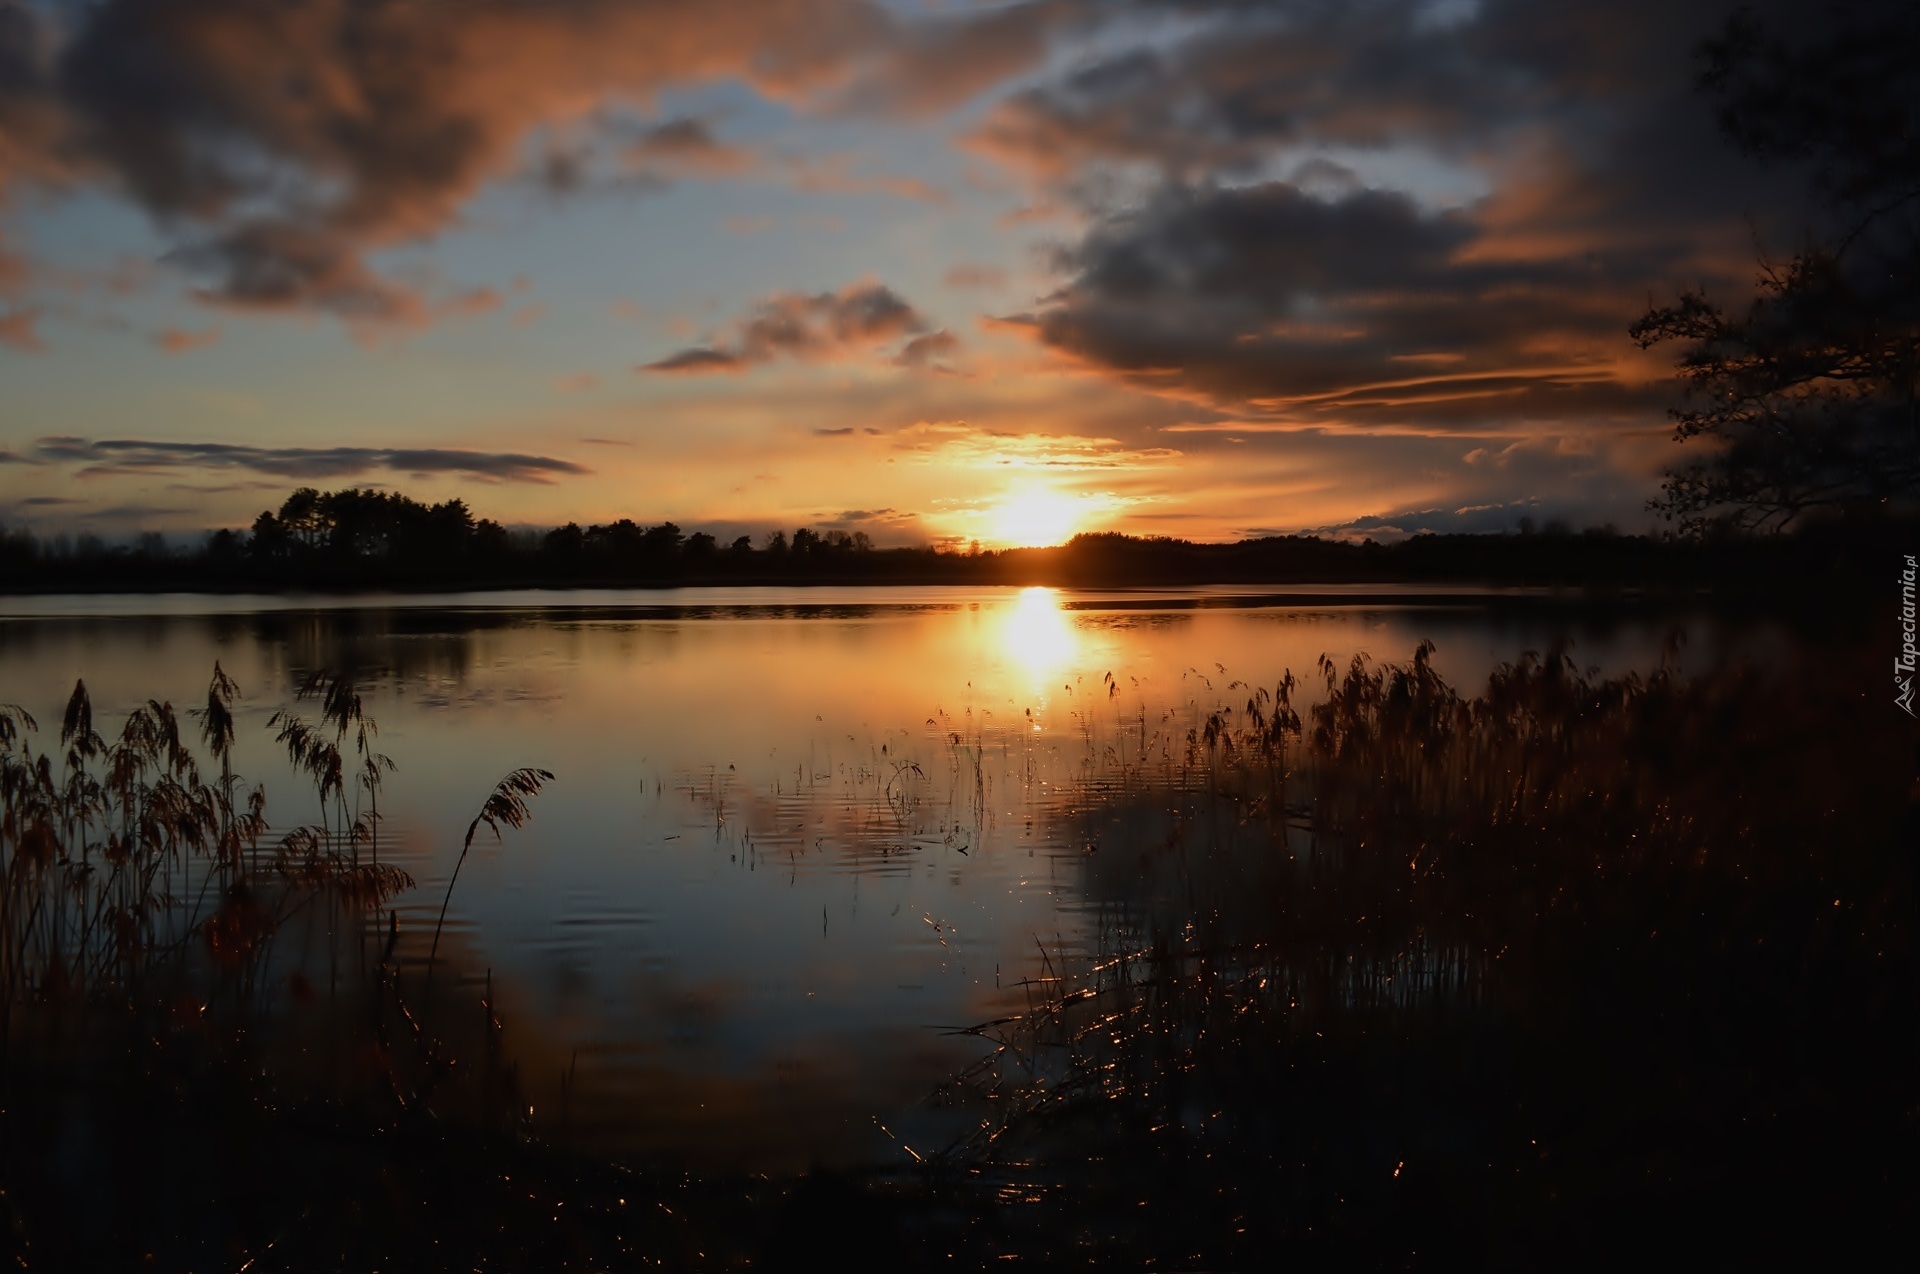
column 796, row 837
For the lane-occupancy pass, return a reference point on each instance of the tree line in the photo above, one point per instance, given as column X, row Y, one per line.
column 356, row 538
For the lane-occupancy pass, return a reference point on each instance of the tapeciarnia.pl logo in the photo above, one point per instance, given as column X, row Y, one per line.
column 1903, row 665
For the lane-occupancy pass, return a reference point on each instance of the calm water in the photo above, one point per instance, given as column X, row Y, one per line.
column 795, row 836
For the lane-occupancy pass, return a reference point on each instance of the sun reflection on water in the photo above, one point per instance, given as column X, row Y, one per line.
column 1037, row 635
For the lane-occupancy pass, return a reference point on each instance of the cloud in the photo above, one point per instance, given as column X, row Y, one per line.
column 945, row 60
column 1238, row 85
column 1364, row 216
column 925, row 351
column 225, row 488
column 1565, row 477
column 282, row 265
column 687, row 147
column 858, row 517
column 1224, row 94
column 976, row 276
column 133, row 512
column 957, row 444
column 697, row 361
column 288, row 142
column 834, row 175
column 1478, row 519
column 119, row 456
column 17, row 330
column 308, row 135
column 15, row 273
column 1364, row 308
column 887, row 526
column 817, row 326
column 178, row 341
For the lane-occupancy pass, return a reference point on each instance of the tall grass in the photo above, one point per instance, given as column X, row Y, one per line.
column 122, row 861
column 1427, row 969
column 148, row 1008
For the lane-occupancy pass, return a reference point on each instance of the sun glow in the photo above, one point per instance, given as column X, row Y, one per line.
column 1034, row 517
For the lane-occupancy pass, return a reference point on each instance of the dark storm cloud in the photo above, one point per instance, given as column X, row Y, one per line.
column 943, row 60
column 113, row 456
column 1248, row 78
column 1408, row 305
column 284, row 142
column 1364, row 306
column 811, row 326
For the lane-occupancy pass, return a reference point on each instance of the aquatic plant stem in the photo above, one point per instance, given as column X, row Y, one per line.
column 506, row 804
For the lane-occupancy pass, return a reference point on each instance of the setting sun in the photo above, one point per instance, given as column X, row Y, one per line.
column 1034, row 518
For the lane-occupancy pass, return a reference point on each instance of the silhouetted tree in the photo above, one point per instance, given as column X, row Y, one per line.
column 661, row 542
column 1808, row 394
column 490, row 539
column 225, row 548
column 269, row 541
column 564, row 542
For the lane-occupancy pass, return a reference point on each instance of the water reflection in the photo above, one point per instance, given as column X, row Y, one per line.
column 790, row 834
column 1038, row 636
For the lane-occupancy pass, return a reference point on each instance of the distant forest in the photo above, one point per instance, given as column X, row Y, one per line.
column 358, row 539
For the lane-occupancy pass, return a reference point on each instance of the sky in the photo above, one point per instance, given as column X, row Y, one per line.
column 929, row 269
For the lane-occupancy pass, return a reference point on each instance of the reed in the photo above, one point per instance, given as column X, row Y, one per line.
column 143, row 998
column 1431, row 970
column 1527, row 975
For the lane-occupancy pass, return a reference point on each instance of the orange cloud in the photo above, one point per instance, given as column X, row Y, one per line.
column 17, row 330
column 833, row 175
column 686, row 146
column 301, row 137
column 976, row 276
column 815, row 327
column 177, row 341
